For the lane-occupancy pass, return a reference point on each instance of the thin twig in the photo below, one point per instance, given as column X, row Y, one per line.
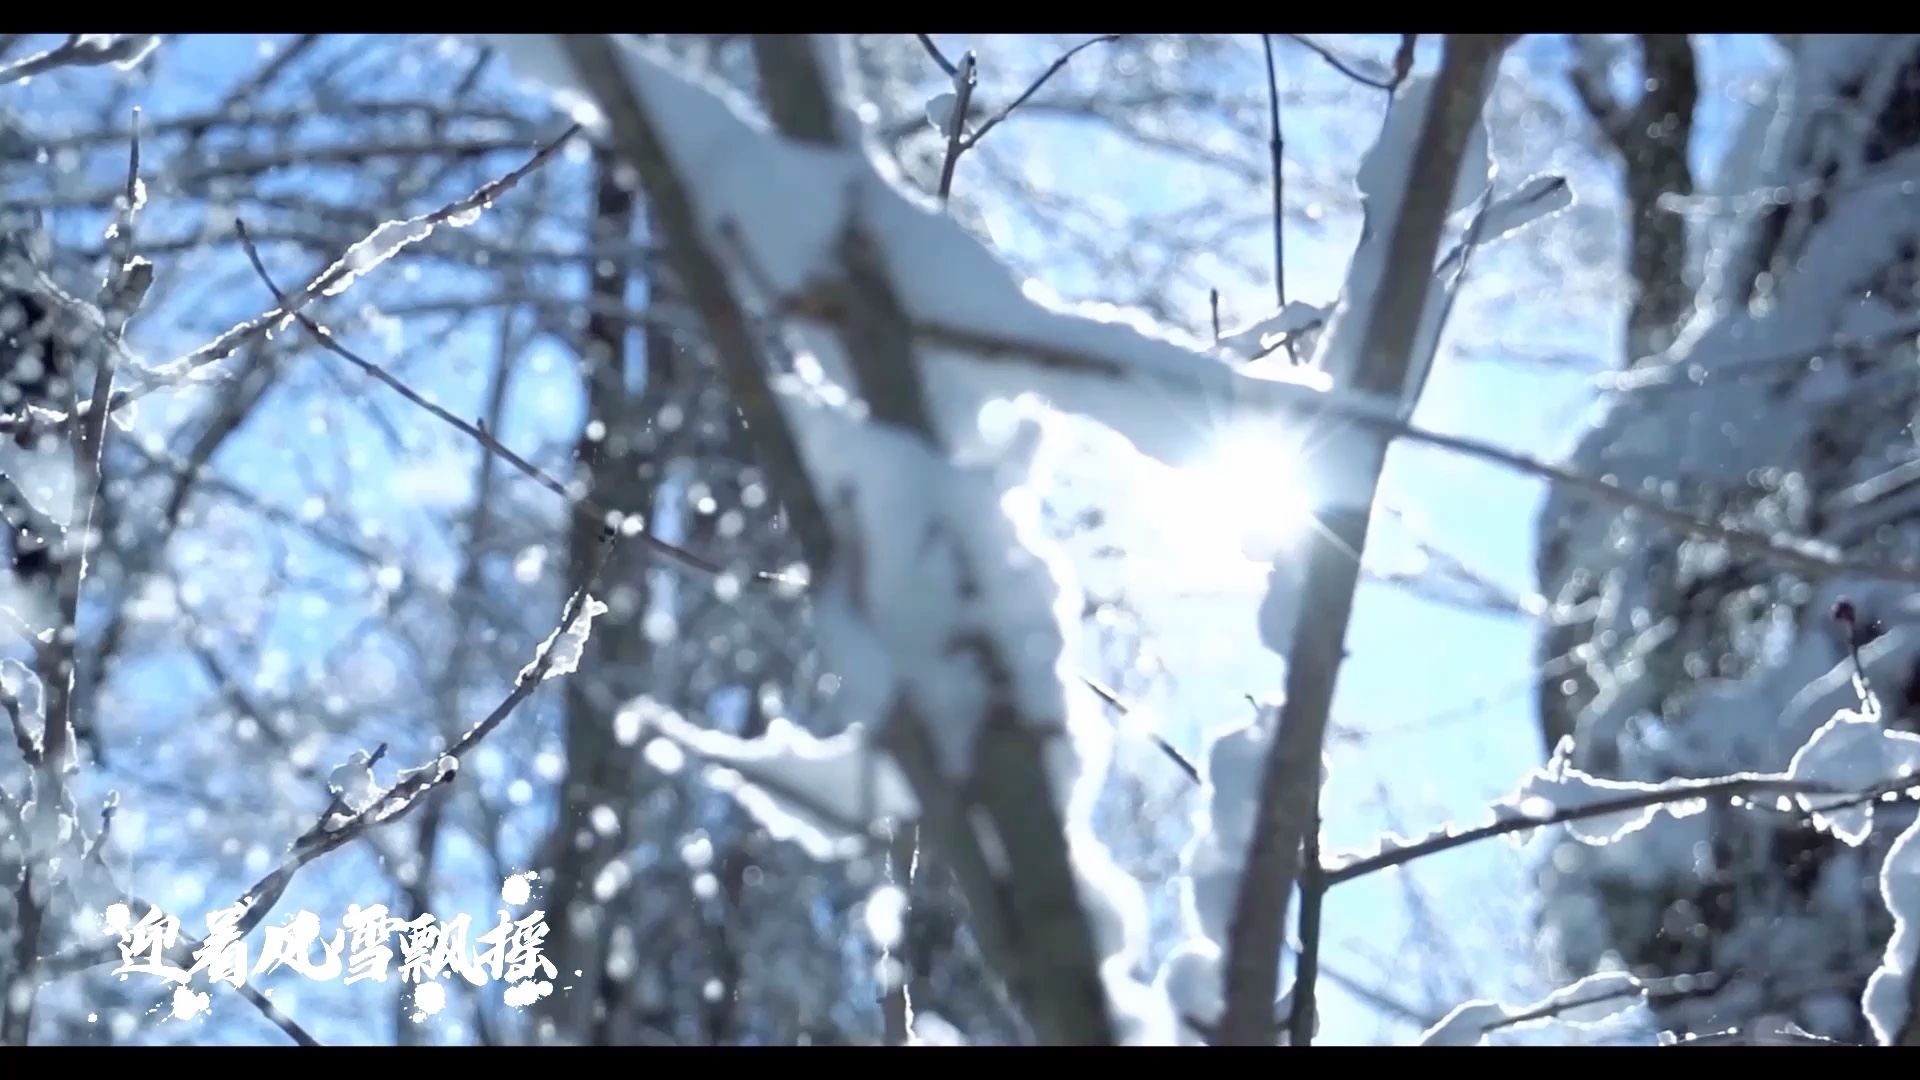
column 235, row 337
column 1801, row 554
column 1378, row 999
column 1276, row 150
column 1640, row 800
column 1313, row 894
column 939, row 57
column 963, row 83
column 1647, row 374
column 120, row 295
column 1034, row 87
column 580, row 503
column 1113, row 701
column 1338, row 64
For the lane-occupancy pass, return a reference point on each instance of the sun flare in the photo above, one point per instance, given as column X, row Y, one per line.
column 1243, row 496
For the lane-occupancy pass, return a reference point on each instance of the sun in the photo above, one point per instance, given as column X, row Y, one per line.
column 1242, row 494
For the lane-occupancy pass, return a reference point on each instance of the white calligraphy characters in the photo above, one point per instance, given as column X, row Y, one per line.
column 429, row 949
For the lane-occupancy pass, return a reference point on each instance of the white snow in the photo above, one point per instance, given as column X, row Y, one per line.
column 1606, row 1004
column 1888, row 1001
column 381, row 244
column 1853, row 750
column 353, row 783
column 1382, row 178
column 1536, row 198
column 885, row 916
column 46, row 477
column 567, row 644
column 1192, row 977
column 940, row 112
column 1265, row 335
column 824, row 794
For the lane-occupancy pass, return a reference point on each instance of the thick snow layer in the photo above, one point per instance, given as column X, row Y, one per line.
column 941, row 571
column 353, row 783
column 1211, row 867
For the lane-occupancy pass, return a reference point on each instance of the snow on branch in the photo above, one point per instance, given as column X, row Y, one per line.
column 386, row 241
column 123, row 51
column 1606, row 1005
column 1602, row 812
column 1892, row 998
column 1654, row 832
column 827, row 795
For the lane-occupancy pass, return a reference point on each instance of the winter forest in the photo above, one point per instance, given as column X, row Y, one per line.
column 935, row 539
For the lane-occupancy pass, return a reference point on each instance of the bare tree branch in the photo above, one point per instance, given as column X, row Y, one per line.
column 1338, row 64
column 478, row 434
column 939, row 57
column 1034, row 87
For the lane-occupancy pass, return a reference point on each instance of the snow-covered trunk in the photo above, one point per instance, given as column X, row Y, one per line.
column 1698, row 659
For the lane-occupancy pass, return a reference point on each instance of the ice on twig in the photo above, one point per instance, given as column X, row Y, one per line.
column 566, row 644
